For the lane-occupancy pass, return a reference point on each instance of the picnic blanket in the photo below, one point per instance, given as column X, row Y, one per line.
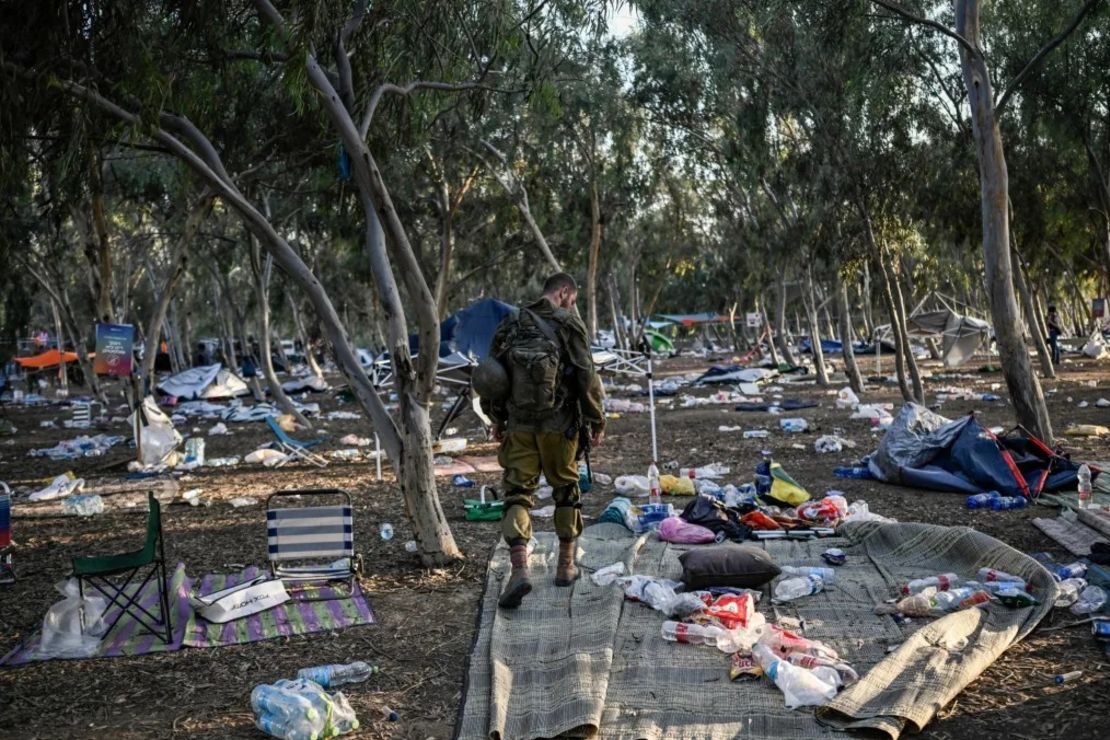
column 468, row 465
column 192, row 630
column 582, row 662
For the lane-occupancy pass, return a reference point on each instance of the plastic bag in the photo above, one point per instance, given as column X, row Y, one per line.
column 632, row 485
column 846, row 398
column 859, row 512
column 72, row 627
column 158, row 440
column 607, row 575
column 678, row 530
column 1091, row 600
column 674, row 486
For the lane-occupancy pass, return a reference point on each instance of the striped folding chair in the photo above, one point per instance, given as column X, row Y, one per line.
column 82, row 415
column 7, row 572
column 312, row 546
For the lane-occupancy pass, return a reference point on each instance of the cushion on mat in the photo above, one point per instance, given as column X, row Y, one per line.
column 740, row 566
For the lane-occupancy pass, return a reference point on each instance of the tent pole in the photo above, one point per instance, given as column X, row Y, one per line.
column 378, row 455
column 651, row 404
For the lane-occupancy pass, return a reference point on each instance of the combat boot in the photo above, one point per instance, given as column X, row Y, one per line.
column 518, row 586
column 567, row 572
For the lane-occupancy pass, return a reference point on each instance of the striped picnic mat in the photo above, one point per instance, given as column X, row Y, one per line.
column 192, row 630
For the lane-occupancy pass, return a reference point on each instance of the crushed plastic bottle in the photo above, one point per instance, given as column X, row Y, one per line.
column 943, row 582
column 793, row 425
column 386, row 531
column 861, row 472
column 336, row 674
column 1091, row 600
column 693, row 634
column 1073, row 570
column 655, row 487
column 790, row 589
column 83, row 505
column 988, row 575
column 982, row 500
column 799, row 686
column 1005, row 503
column 827, row 575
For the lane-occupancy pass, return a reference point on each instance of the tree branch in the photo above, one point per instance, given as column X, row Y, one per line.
column 1045, row 50
column 898, row 10
column 375, row 98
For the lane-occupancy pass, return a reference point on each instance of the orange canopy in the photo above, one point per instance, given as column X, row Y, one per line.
column 49, row 358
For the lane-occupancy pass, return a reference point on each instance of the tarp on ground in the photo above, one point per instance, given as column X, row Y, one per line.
column 206, row 382
column 925, row 450
column 828, row 346
column 585, row 662
column 735, row 374
column 869, row 348
column 49, row 358
column 961, row 336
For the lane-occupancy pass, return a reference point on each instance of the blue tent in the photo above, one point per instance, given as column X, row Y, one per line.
column 468, row 331
column 923, row 450
column 828, row 346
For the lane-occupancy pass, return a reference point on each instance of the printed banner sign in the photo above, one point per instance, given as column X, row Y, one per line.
column 114, row 346
column 755, row 320
column 1098, row 307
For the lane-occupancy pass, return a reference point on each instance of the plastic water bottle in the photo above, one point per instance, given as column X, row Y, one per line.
column 1084, row 486
column 799, row 686
column 827, row 575
column 943, row 582
column 795, row 588
column 861, row 472
column 1074, row 570
column 1005, row 503
column 296, row 728
column 1091, row 600
column 693, row 634
column 982, row 500
column 280, row 704
column 990, row 574
column 763, row 479
column 386, row 531
column 655, row 488
column 1067, row 592
column 330, row 676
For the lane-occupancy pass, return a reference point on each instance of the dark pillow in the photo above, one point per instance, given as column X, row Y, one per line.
column 741, row 566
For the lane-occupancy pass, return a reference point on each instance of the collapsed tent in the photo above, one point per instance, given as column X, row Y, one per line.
column 828, row 346
column 694, row 319
column 961, row 336
column 204, row 382
column 734, row 374
column 925, row 450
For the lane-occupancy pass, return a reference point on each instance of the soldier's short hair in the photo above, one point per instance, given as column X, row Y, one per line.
column 558, row 281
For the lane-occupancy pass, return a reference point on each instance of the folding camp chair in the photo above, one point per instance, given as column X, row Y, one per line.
column 7, row 572
column 296, row 448
column 104, row 573
column 310, row 546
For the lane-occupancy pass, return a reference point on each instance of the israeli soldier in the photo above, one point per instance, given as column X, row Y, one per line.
column 553, row 393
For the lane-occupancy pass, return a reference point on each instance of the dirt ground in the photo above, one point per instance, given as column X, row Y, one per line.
column 427, row 618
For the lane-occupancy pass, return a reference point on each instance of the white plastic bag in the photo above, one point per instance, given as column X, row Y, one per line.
column 158, row 440
column 631, row 485
column 846, row 399
column 72, row 627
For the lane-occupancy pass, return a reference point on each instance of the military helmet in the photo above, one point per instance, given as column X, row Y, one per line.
column 490, row 380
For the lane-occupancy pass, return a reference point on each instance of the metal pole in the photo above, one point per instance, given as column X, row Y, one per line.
column 378, row 455
column 651, row 410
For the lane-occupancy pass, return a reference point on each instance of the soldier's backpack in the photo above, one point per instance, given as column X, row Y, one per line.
column 533, row 356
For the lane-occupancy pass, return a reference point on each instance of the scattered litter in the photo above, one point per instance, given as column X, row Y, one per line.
column 241, row 501
column 342, row 416
column 218, row 429
column 222, row 462
column 82, row 446
column 1102, row 403
column 461, row 481
column 828, row 444
column 83, row 505
column 265, row 455
column 1086, row 430
column 846, row 399
column 62, row 486
column 292, row 710
column 355, row 441
column 545, row 512
column 794, row 425
column 608, row 575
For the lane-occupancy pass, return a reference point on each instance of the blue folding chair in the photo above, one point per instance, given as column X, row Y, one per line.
column 312, row 546
column 296, row 449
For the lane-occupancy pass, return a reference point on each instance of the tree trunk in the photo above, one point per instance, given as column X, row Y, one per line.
column 309, row 355
column 809, row 302
column 1022, row 382
column 896, row 329
column 591, row 268
column 844, row 316
column 780, row 323
column 59, row 337
column 262, row 270
column 1038, row 339
column 614, row 300
column 865, row 294
column 766, row 330
column 158, row 315
column 903, row 323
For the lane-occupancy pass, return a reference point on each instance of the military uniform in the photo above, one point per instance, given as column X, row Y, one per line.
column 548, row 445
